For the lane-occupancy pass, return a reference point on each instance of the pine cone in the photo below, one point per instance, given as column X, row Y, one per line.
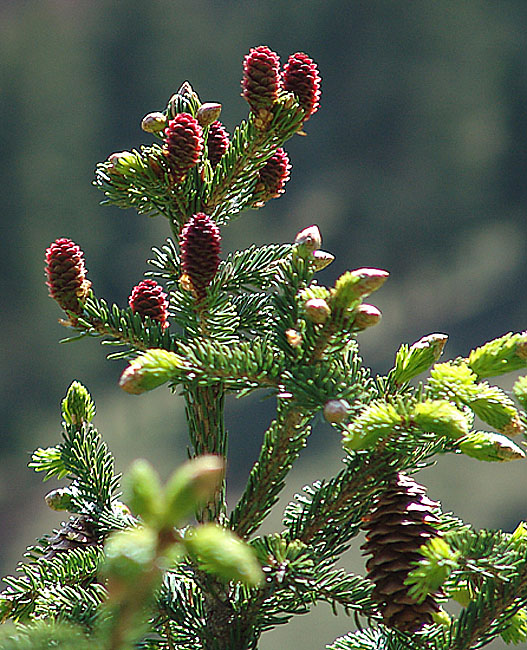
column 66, row 275
column 200, row 248
column 401, row 522
column 183, row 144
column 301, row 77
column 217, row 142
column 272, row 177
column 77, row 532
column 149, row 299
column 261, row 77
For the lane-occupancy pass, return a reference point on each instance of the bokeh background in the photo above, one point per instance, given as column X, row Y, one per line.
column 416, row 162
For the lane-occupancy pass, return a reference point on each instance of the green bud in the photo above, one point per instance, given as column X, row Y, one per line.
column 143, row 491
column 123, row 161
column 222, row 553
column 208, row 113
column 440, row 417
column 488, row 446
column 191, row 486
column 453, row 380
column 495, row 407
column 308, row 240
column 150, row 370
column 336, row 410
column 154, row 122
column 321, row 259
column 520, row 391
column 377, row 421
column 366, row 316
column 317, row 310
column 354, row 285
column 440, row 617
column 59, row 499
column 505, row 354
column 78, row 406
column 432, row 571
column 129, row 555
column 412, row 361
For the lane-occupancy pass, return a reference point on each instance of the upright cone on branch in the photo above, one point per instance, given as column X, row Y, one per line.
column 183, row 144
column 301, row 77
column 400, row 523
column 66, row 275
column 217, row 142
column 261, row 78
column 272, row 177
column 149, row 299
column 200, row 253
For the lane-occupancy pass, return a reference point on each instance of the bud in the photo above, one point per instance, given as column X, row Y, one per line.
column 261, row 78
column 440, row 417
column 183, row 144
column 208, row 113
column 272, row 177
column 353, row 285
column 495, row 407
column 366, row 316
column 336, row 410
column 143, row 491
column 413, row 360
column 308, row 240
column 294, row 338
column 122, row 161
column 129, row 555
column 317, row 310
column 200, row 248
column 220, row 552
column 59, row 499
column 492, row 447
column 154, row 122
column 301, row 77
column 78, row 405
column 66, row 275
column 191, row 486
column 378, row 420
column 148, row 299
column 217, row 142
column 321, row 259
column 150, row 370
column 504, row 354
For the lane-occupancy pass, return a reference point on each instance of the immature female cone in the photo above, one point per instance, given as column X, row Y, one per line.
column 261, row 78
column 149, row 299
column 183, row 144
column 401, row 522
column 217, row 142
column 66, row 275
column 200, row 249
column 272, row 177
column 76, row 533
column 301, row 78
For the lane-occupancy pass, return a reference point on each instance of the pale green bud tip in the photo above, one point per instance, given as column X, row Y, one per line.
column 309, row 239
column 59, row 499
column 123, row 159
column 142, row 489
column 366, row 316
column 204, row 475
column 336, row 410
column 154, row 122
column 440, row 417
column 491, row 447
column 367, row 280
column 321, row 259
column 78, row 406
column 150, row 370
column 317, row 310
column 219, row 551
column 129, row 554
column 208, row 113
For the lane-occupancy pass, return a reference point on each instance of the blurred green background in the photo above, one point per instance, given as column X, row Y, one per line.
column 416, row 163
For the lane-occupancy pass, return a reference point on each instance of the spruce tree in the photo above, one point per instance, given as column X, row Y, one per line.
column 143, row 565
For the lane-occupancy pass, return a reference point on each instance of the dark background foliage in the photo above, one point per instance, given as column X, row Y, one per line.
column 416, row 163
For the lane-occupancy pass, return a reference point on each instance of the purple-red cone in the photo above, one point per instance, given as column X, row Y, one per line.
column 261, row 77
column 66, row 275
column 301, row 77
column 217, row 142
column 273, row 176
column 200, row 252
column 149, row 299
column 183, row 144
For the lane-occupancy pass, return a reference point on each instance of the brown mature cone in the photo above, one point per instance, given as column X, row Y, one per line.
column 402, row 520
